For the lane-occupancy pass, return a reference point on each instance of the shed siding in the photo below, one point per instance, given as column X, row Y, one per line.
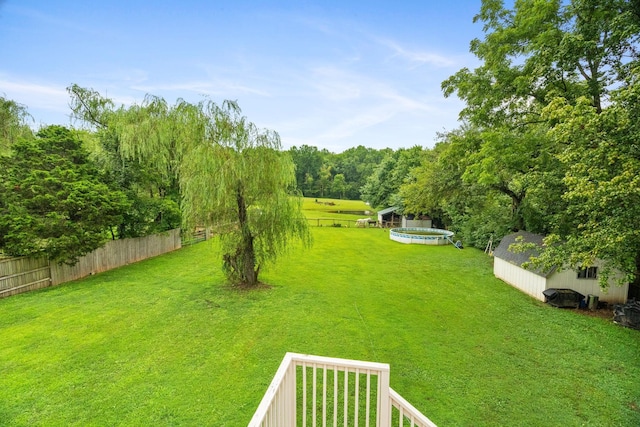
column 519, row 278
column 568, row 279
column 408, row 223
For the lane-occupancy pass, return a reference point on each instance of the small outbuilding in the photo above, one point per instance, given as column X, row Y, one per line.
column 507, row 265
column 391, row 218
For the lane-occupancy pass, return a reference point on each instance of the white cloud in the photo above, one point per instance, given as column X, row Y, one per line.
column 416, row 57
column 214, row 87
column 334, row 84
column 36, row 95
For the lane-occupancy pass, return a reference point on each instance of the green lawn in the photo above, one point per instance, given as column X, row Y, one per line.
column 165, row 342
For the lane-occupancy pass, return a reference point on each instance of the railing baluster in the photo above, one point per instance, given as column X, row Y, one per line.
column 278, row 405
column 313, row 416
column 272, row 417
column 383, row 401
column 346, row 396
column 357, row 399
column 324, row 396
column 282, row 400
column 304, row 395
column 368, row 397
column 293, row 401
column 335, row 396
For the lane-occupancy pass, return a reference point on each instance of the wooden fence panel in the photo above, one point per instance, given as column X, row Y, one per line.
column 24, row 274
column 117, row 253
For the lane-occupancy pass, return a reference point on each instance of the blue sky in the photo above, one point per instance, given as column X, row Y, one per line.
column 333, row 74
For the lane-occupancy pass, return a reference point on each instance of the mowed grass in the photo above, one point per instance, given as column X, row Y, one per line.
column 166, row 342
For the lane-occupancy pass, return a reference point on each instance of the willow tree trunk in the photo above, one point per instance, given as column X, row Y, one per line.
column 247, row 258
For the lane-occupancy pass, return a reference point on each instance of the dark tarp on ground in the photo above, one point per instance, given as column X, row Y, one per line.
column 562, row 297
column 627, row 314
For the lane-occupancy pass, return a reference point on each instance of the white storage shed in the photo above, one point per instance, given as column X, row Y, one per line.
column 507, row 265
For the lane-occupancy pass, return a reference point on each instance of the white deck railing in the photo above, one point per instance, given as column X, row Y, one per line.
column 314, row 390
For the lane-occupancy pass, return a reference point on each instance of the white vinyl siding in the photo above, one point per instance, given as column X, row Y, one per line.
column 568, row 279
column 528, row 282
column 533, row 284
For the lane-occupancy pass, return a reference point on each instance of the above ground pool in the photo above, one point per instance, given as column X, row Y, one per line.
column 421, row 236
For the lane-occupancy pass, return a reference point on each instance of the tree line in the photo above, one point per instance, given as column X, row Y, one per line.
column 374, row 176
column 131, row 157
column 551, row 137
column 548, row 144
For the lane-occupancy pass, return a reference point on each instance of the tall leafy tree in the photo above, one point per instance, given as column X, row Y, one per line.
column 231, row 175
column 382, row 187
column 531, row 54
column 357, row 164
column 240, row 181
column 13, row 124
column 324, row 179
column 149, row 182
column 441, row 187
column 339, row 185
column 308, row 161
column 52, row 201
column 317, row 169
column 555, row 100
column 541, row 50
column 603, row 185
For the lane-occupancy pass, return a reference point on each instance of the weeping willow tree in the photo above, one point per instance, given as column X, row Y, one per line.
column 232, row 176
column 238, row 179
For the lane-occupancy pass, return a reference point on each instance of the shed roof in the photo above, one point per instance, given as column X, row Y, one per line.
column 388, row 210
column 519, row 258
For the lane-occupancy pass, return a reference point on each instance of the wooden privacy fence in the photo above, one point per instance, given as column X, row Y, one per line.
column 24, row 274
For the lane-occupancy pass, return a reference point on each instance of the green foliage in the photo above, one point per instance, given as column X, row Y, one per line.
column 227, row 174
column 149, row 181
column 148, row 215
column 550, row 118
column 324, row 179
column 241, row 183
column 603, row 184
column 316, row 170
column 52, row 202
column 382, row 186
column 448, row 188
column 541, row 50
column 13, row 124
column 339, row 185
column 357, row 164
column 308, row 160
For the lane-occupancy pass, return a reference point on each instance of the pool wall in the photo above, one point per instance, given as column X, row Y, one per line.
column 403, row 235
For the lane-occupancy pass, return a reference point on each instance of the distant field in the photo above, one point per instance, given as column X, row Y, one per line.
column 346, row 210
column 165, row 342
